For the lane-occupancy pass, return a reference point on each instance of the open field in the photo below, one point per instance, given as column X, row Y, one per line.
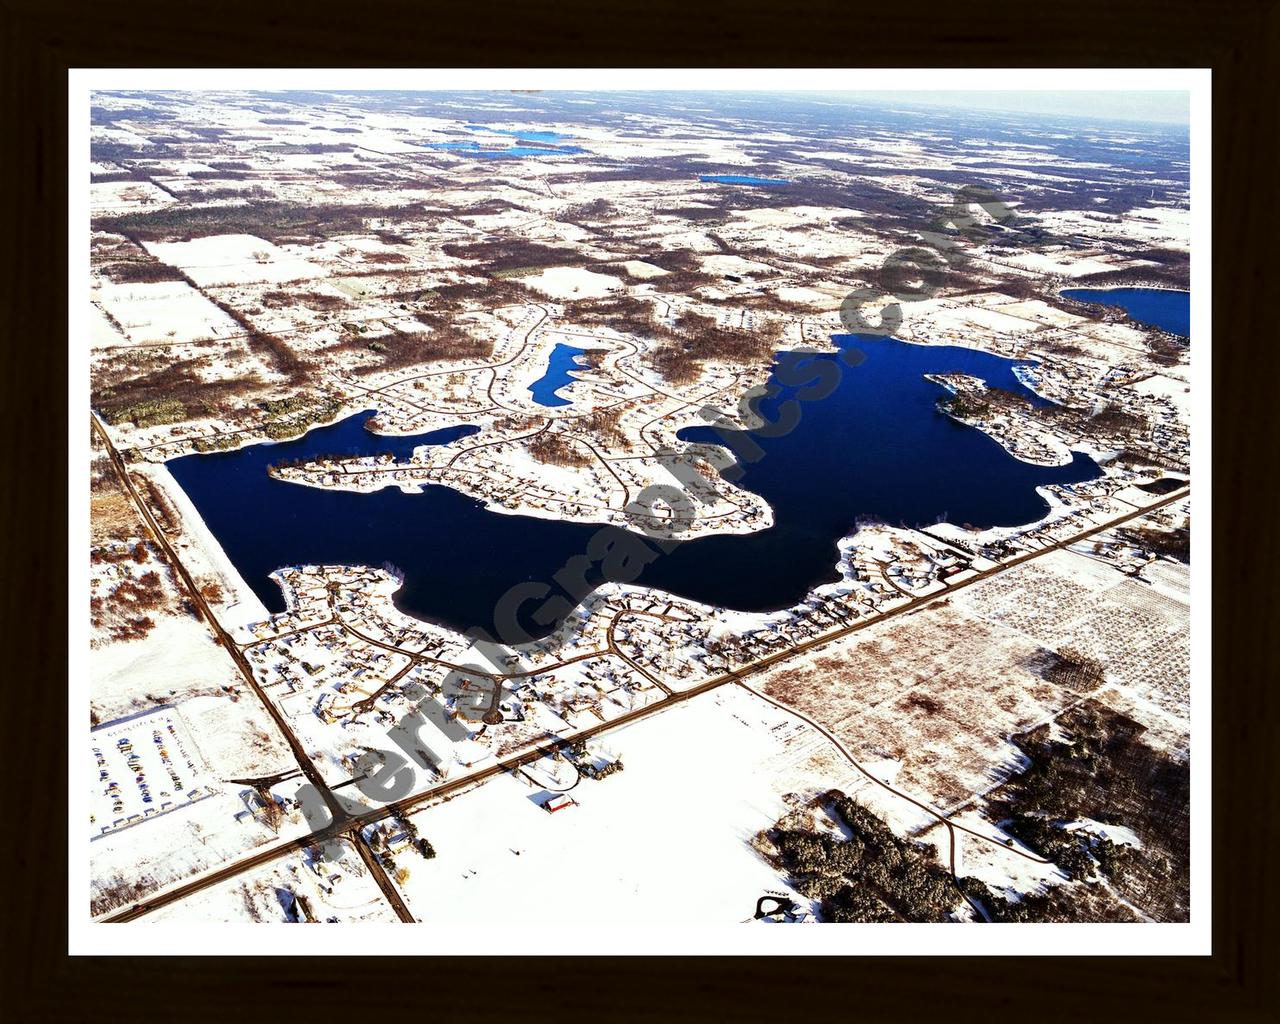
column 939, row 692
column 663, row 840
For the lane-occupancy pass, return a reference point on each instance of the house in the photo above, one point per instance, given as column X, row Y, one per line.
column 558, row 802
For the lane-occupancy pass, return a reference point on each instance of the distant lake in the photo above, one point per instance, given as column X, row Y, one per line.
column 876, row 448
column 472, row 148
column 1166, row 308
column 564, row 359
column 532, row 136
column 742, row 179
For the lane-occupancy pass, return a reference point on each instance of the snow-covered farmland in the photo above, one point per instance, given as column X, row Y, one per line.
column 940, row 691
column 665, row 839
column 572, row 283
column 233, row 259
column 114, row 197
column 166, row 311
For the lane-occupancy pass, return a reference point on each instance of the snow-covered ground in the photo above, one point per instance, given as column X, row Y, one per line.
column 200, row 550
column 667, row 838
column 113, row 197
column 641, row 269
column 341, row 891
column 1176, row 391
column 572, row 283
column 178, row 659
column 233, row 259
column 167, row 311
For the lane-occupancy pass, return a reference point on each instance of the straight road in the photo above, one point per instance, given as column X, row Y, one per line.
column 305, row 764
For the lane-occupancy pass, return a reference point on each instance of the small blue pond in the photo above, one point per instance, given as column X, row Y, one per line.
column 560, row 366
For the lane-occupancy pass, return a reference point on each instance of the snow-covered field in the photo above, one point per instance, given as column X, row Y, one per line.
column 167, row 311
column 127, row 197
column 178, row 659
column 1176, row 391
column 1067, row 600
column 641, row 269
column 939, row 691
column 233, row 259
column 663, row 840
column 572, row 283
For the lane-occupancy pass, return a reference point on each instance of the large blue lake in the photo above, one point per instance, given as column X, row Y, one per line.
column 1166, row 308
column 876, row 448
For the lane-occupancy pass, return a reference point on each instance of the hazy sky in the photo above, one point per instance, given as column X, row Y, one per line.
column 1168, row 106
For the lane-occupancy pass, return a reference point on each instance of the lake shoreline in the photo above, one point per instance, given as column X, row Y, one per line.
column 911, row 465
column 1159, row 308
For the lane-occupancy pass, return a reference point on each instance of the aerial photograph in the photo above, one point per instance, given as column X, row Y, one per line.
column 634, row 508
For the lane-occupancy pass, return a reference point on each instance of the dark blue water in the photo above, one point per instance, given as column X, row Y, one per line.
column 1157, row 307
column 742, row 179
column 349, row 437
column 874, row 448
column 564, row 359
